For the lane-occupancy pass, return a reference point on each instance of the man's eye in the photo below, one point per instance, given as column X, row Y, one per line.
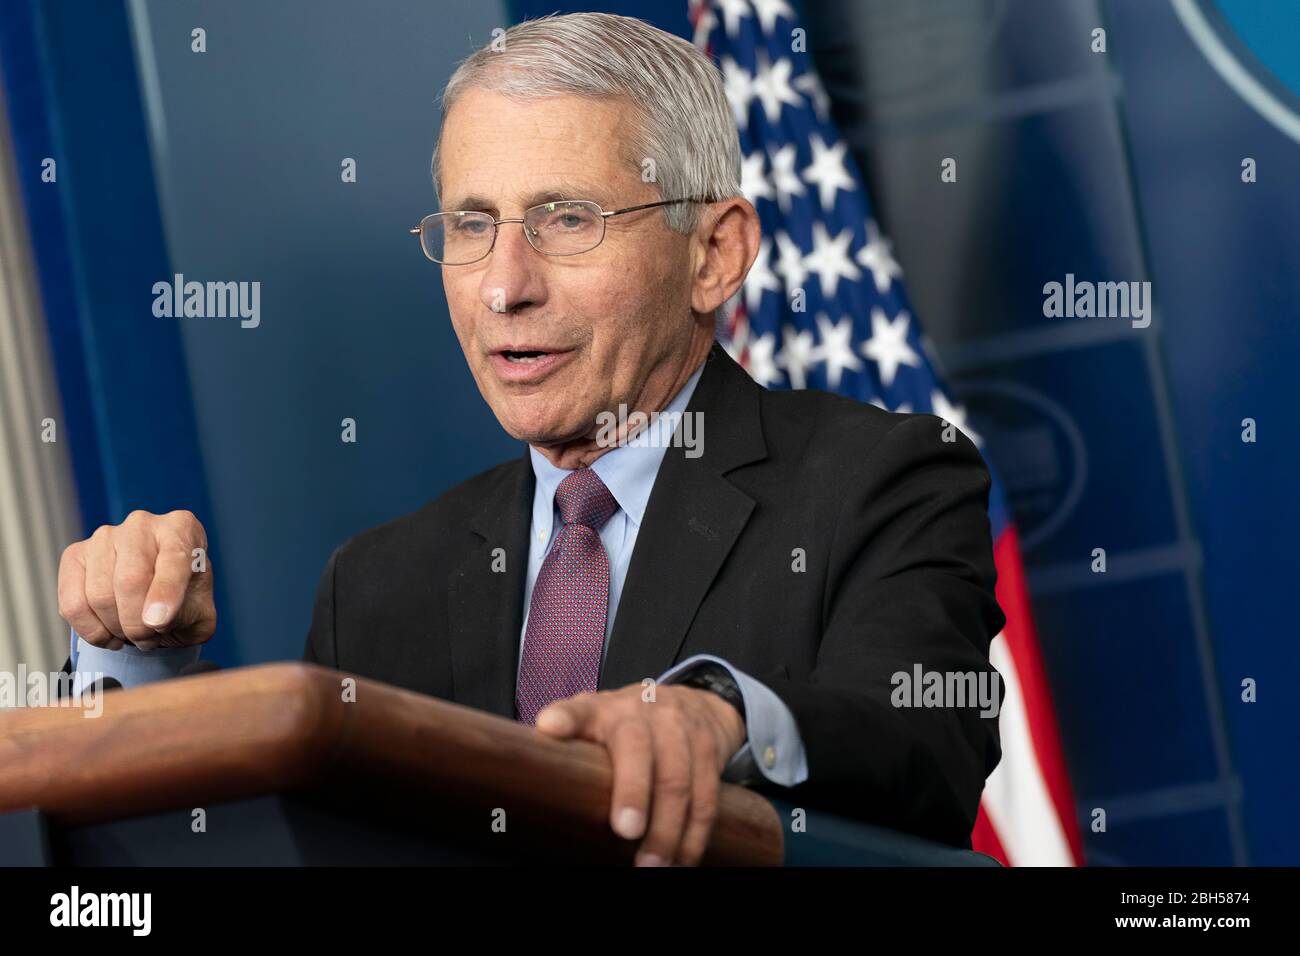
column 471, row 227
column 568, row 220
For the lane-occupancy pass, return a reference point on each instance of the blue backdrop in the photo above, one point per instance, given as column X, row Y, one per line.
column 226, row 165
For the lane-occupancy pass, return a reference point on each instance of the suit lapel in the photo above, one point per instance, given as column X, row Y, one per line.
column 484, row 606
column 691, row 523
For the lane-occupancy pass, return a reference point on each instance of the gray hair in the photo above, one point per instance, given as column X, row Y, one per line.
column 683, row 124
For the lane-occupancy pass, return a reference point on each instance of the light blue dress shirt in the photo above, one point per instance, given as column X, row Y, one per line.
column 773, row 748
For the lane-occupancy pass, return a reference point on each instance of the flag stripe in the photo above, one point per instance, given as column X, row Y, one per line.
column 1021, row 652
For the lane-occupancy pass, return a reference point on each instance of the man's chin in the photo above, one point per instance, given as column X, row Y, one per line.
column 544, row 434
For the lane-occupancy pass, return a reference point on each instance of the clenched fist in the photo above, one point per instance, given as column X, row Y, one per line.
column 135, row 583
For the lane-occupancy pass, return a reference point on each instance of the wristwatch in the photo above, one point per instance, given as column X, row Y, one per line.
column 710, row 676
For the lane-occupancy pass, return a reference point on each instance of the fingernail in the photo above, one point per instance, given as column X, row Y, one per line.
column 628, row 823
column 649, row 859
column 155, row 614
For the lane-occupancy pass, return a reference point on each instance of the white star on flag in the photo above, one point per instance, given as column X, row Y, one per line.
column 797, row 355
column 739, row 88
column 769, row 10
column 732, row 13
column 827, row 171
column 830, row 258
column 876, row 257
column 772, row 86
column 810, row 85
column 836, row 349
column 888, row 346
column 753, row 181
column 789, row 263
column 761, row 364
column 784, row 178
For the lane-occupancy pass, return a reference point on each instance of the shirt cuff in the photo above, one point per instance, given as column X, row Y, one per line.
column 773, row 748
column 129, row 666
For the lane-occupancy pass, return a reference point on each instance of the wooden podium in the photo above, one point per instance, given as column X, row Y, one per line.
column 282, row 767
column 277, row 765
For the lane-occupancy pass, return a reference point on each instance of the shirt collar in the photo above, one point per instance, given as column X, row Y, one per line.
column 628, row 471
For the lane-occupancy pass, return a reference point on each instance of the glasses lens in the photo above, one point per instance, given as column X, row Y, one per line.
column 457, row 238
column 564, row 228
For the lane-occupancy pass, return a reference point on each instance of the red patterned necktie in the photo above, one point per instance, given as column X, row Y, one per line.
column 566, row 617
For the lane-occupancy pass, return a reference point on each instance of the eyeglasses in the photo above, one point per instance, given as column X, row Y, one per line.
column 564, row 228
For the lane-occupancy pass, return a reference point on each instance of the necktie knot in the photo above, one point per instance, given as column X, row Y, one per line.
column 583, row 499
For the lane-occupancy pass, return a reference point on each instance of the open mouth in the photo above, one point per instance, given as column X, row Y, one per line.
column 528, row 364
column 524, row 358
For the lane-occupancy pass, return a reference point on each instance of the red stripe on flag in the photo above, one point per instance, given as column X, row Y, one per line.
column 1022, row 644
column 985, row 839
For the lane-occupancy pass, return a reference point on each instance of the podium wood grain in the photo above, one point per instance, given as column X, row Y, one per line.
column 412, row 759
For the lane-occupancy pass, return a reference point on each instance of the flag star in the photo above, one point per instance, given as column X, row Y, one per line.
column 810, row 85
column 761, row 365
column 877, row 259
column 769, row 10
column 739, row 88
column 772, row 86
column 789, row 263
column 797, row 355
column 827, row 171
column 830, row 258
column 888, row 346
column 732, row 12
column 760, row 278
column 784, row 178
column 836, row 349
column 953, row 414
column 753, row 181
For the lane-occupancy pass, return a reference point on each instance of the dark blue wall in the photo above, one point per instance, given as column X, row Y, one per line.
column 225, row 165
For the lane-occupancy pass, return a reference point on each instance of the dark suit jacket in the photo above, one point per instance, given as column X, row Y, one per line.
column 892, row 521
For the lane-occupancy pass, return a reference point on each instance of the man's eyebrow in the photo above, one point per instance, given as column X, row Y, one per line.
column 563, row 191
column 555, row 193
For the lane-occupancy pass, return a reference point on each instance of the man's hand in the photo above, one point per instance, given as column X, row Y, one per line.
column 668, row 756
column 134, row 582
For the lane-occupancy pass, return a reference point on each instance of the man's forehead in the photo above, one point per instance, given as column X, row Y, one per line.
column 509, row 168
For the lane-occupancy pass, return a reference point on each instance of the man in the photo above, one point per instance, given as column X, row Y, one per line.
column 771, row 575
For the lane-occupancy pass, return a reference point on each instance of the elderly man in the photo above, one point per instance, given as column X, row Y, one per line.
column 771, row 579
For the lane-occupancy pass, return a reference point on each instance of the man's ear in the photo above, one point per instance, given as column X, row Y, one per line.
column 726, row 241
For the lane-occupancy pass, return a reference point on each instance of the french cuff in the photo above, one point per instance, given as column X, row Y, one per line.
column 129, row 665
column 773, row 749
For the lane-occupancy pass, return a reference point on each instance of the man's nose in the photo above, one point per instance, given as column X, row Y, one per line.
column 513, row 275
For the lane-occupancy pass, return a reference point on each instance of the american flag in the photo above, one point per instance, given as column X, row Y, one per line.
column 825, row 307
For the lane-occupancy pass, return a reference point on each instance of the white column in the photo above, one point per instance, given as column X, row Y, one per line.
column 38, row 515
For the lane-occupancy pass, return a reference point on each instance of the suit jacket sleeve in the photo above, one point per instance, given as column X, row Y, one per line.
column 321, row 647
column 910, row 580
